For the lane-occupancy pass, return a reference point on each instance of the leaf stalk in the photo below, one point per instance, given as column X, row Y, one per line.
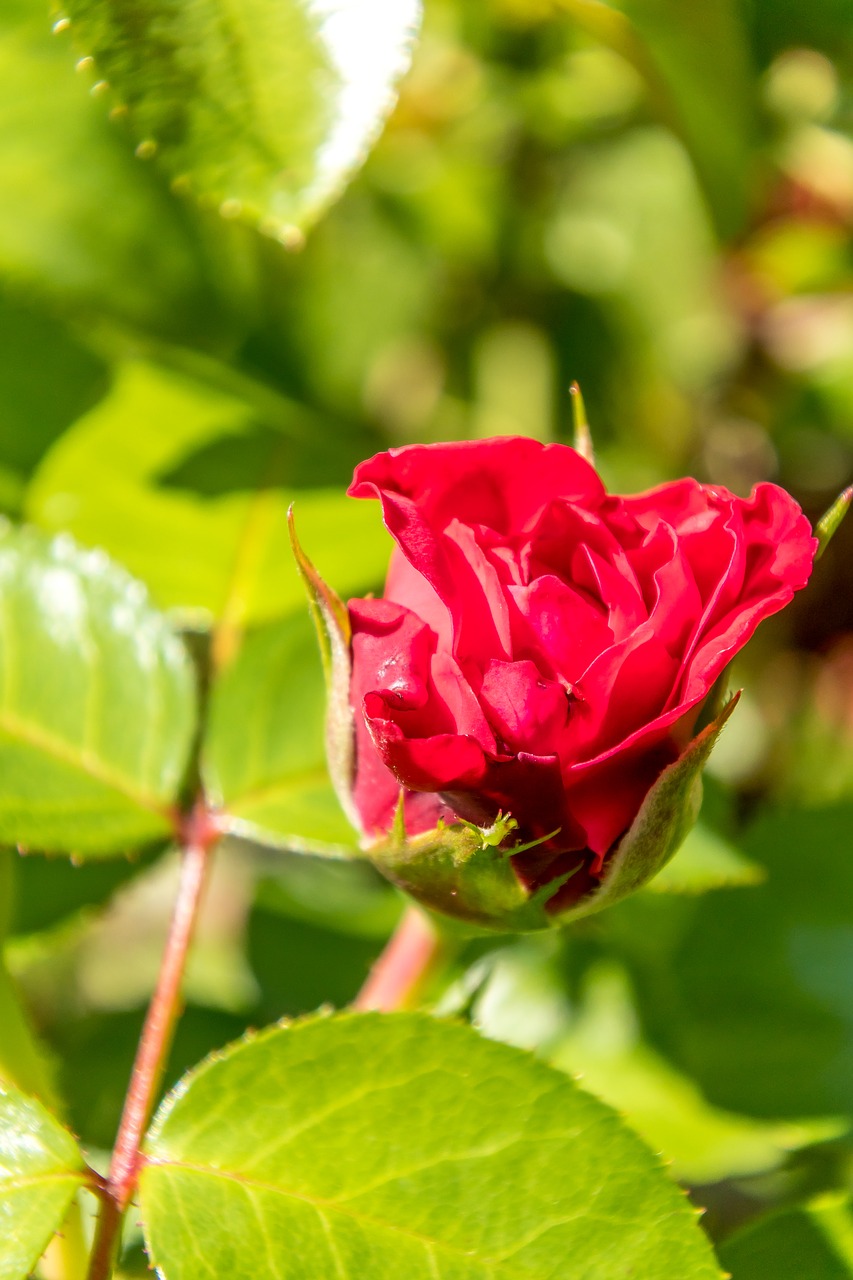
column 199, row 831
column 397, row 977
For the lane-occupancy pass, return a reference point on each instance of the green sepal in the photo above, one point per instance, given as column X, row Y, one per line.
column 828, row 524
column 334, row 634
column 582, row 435
column 466, row 872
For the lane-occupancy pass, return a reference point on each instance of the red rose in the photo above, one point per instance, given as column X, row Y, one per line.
column 543, row 648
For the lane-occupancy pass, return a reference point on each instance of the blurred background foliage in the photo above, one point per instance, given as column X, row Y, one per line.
column 655, row 199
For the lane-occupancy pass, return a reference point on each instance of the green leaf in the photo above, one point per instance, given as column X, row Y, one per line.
column 375, row 1147
column 706, row 861
column 41, row 1170
column 40, row 397
column 814, row 1241
column 81, row 219
column 97, row 702
column 603, row 1047
column 749, row 990
column 112, row 482
column 701, row 55
column 263, row 757
column 264, row 109
column 696, row 65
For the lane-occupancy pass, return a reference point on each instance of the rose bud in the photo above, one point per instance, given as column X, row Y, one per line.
column 518, row 726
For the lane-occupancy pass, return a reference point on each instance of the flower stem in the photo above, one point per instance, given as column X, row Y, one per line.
column 199, row 833
column 409, row 957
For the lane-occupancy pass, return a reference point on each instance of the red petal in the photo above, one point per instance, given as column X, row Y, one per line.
column 527, row 711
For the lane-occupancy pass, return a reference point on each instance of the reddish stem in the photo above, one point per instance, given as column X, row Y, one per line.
column 403, row 966
column 199, row 833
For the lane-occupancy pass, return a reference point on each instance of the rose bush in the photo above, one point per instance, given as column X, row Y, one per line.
column 543, row 649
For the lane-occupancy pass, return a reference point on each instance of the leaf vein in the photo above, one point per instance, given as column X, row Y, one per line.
column 497, row 1265
column 35, row 735
column 340, row 1104
column 330, row 1240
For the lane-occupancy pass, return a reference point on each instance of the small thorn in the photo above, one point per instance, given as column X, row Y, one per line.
column 146, row 149
column 583, row 436
column 84, row 64
column 61, row 24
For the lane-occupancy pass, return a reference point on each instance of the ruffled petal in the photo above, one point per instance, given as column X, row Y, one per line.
column 560, row 624
column 526, row 711
column 503, row 483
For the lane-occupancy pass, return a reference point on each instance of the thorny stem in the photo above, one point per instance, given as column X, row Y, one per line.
column 199, row 833
column 401, row 970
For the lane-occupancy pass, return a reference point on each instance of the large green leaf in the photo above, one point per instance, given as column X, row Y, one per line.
column 47, row 379
column 97, row 701
column 706, row 861
column 374, row 1147
column 80, row 217
column 263, row 758
column 217, row 540
column 814, row 1241
column 749, row 990
column 267, row 106
column 41, row 1169
column 699, row 53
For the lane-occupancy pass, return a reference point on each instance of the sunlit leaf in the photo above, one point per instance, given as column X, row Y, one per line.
column 81, row 219
column 264, row 758
column 41, row 1170
column 47, row 379
column 706, row 861
column 700, row 54
column 371, row 1147
column 265, row 109
column 97, row 701
column 215, row 540
column 605, row 1049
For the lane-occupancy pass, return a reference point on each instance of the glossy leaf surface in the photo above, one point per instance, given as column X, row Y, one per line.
column 97, row 701
column 81, row 219
column 266, row 107
column 264, row 758
column 129, row 477
column 374, row 1147
column 41, row 1170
